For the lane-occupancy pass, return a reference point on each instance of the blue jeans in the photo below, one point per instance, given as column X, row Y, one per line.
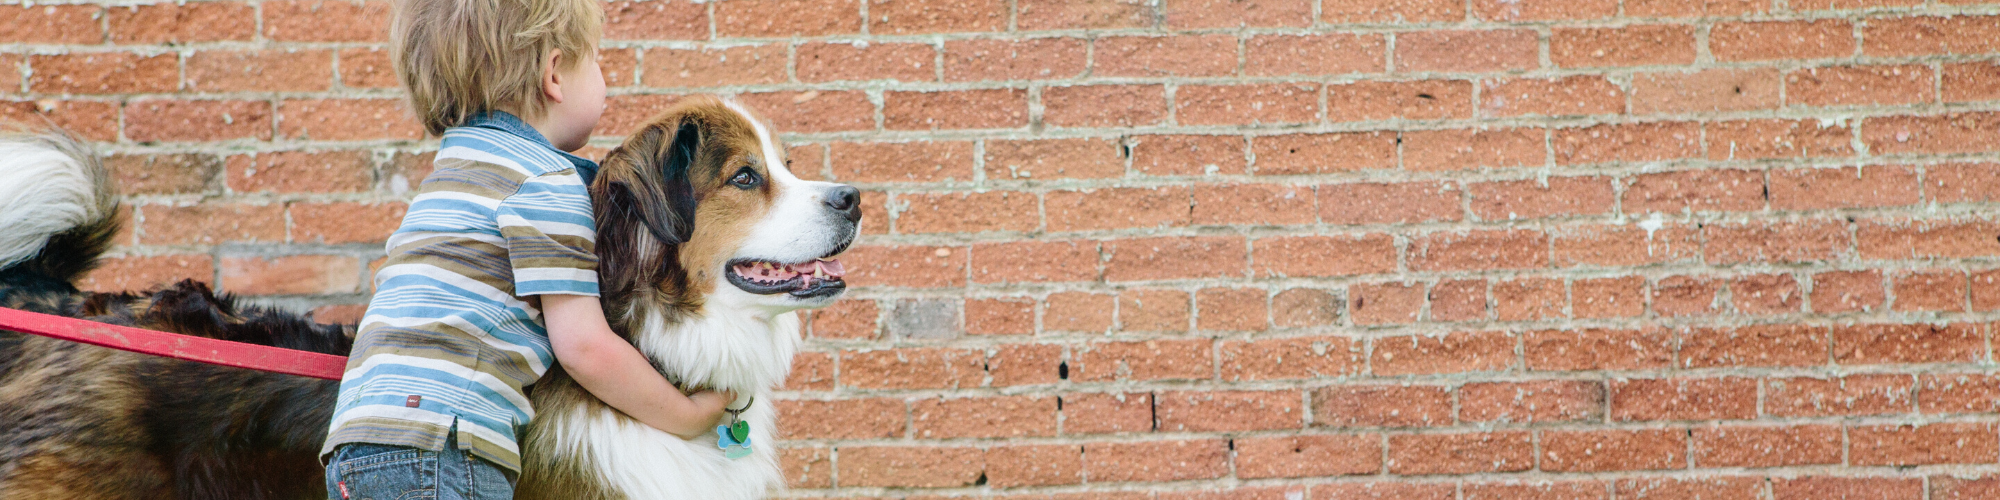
column 366, row 471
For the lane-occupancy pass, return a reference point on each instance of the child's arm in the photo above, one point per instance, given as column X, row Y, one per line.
column 615, row 372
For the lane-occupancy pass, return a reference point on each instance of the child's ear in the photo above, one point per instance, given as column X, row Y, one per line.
column 552, row 79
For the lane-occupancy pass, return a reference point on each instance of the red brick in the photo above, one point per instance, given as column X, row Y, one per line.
column 267, row 70
column 302, row 172
column 1185, row 155
column 1567, row 96
column 1308, row 456
column 871, row 418
column 10, row 73
column 1755, row 41
column 1765, row 345
column 1765, row 294
column 1479, row 250
column 1469, row 149
column 1194, row 55
column 1622, row 297
column 182, row 173
column 881, row 162
column 1687, row 296
column 197, row 121
column 1260, row 104
column 1684, row 399
column 1946, row 238
column 1631, row 142
column 1385, row 303
column 1532, row 402
column 1962, row 183
column 1705, row 91
column 1444, row 51
column 1025, row 364
column 51, row 24
column 1848, row 487
column 1515, row 490
column 1614, row 450
column 1463, row 453
column 1960, row 488
column 1958, row 393
column 625, row 113
column 175, row 23
column 1174, row 258
column 847, row 319
column 1036, row 159
column 964, row 109
column 1156, row 460
column 1791, row 241
column 1078, row 312
column 1305, row 307
column 813, row 110
column 914, row 266
column 1146, row 310
column 1458, row 300
column 1543, row 10
column 803, row 18
column 1374, row 203
column 912, row 368
column 1598, row 349
column 994, row 417
column 1144, row 360
column 347, row 120
column 1844, row 187
column 906, row 17
column 1289, row 358
column 1034, row 261
column 1223, row 411
column 1903, row 344
column 710, row 66
column 1025, row 59
column 1705, row 488
column 337, row 314
column 1231, row 309
column 1938, row 443
column 343, row 223
column 1859, row 86
column 1697, row 8
column 1916, row 36
column 1253, row 204
column 1855, row 4
column 1084, row 14
column 1381, row 406
column 965, row 212
column 1104, row 105
column 1535, row 199
column 1761, row 139
column 1410, row 100
column 1695, row 190
column 1766, row 446
column 1625, row 245
column 1970, row 132
column 1529, row 299
column 806, row 467
column 1973, row 81
column 103, row 73
column 1985, row 290
column 1296, row 154
column 658, row 20
column 1852, row 395
column 1034, row 465
column 910, row 466
column 291, row 275
column 1636, row 45
column 1928, row 290
column 1118, row 208
column 1451, row 353
column 811, row 371
column 1396, row 11
column 1329, row 54
column 1093, row 413
column 368, row 68
column 326, row 21
column 209, row 224
column 1322, row 256
column 1847, row 291
column 1384, row 490
column 1201, row 14
column 119, row 274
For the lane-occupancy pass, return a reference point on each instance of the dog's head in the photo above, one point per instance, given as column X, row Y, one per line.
column 701, row 207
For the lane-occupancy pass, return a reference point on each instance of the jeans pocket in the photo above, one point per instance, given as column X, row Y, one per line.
column 401, row 474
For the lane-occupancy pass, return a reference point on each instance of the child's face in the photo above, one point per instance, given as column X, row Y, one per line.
column 571, row 120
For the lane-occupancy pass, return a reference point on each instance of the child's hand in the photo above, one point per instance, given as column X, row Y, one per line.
column 708, row 406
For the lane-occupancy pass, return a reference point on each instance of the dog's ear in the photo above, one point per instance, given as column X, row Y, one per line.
column 644, row 204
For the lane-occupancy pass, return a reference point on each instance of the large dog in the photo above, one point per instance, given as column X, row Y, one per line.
column 707, row 245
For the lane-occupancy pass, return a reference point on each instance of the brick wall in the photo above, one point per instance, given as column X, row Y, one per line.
column 1399, row 249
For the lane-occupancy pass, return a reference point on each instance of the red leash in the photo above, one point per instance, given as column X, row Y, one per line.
column 177, row 346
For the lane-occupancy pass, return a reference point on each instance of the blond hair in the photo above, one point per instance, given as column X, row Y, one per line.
column 459, row 58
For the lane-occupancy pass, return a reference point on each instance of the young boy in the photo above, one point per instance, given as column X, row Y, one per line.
column 491, row 277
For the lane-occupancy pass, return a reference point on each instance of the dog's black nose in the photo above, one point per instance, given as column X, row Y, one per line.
column 846, row 200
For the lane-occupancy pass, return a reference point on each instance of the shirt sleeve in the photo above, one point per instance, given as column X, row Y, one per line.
column 551, row 236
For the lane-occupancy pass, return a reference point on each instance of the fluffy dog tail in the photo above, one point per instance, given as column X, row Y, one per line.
column 57, row 211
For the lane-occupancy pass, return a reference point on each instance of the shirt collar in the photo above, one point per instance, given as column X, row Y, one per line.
column 507, row 122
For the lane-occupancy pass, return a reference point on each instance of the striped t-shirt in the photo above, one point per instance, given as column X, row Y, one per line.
column 451, row 335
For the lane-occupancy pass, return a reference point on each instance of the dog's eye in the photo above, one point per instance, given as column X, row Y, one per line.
column 745, row 179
